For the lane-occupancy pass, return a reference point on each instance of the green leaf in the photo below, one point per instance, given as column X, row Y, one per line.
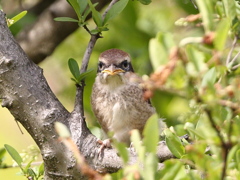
column 41, row 170
column 151, row 134
column 145, row 2
column 25, row 169
column 116, row 9
column 65, row 19
column 193, row 131
column 14, row 154
column 84, row 75
column 17, row 18
column 74, row 68
column 2, row 153
column 150, row 167
column 62, row 130
column 31, row 173
column 122, row 150
column 209, row 78
column 82, row 4
column 87, row 11
column 196, row 57
column 206, row 10
column 159, row 49
column 174, row 144
column 238, row 158
column 96, row 15
column 230, row 9
column 221, row 34
column 76, row 7
column 137, row 144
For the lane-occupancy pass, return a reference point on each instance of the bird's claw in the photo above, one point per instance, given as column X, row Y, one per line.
column 104, row 144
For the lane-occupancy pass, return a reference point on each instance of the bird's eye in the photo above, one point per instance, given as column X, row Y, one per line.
column 100, row 66
column 125, row 64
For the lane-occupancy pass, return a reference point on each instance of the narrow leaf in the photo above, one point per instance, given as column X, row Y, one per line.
column 41, row 170
column 194, row 131
column 174, row 144
column 116, row 9
column 221, row 34
column 82, row 4
column 14, row 154
column 210, row 77
column 206, row 10
column 17, row 18
column 95, row 14
column 136, row 140
column 76, row 7
column 230, row 9
column 151, row 134
column 84, row 75
column 65, row 19
column 74, row 68
column 2, row 153
column 122, row 150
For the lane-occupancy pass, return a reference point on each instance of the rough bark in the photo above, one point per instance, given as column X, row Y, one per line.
column 40, row 39
column 25, row 92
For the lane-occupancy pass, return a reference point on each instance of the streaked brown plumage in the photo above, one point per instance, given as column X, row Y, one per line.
column 117, row 102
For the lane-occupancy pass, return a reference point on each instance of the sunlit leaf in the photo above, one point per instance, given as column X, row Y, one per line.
column 151, row 134
column 14, row 154
column 210, row 77
column 193, row 131
column 41, row 170
column 230, row 8
column 62, row 130
column 2, row 153
column 16, row 18
column 137, row 144
column 174, row 144
column 116, row 9
column 122, row 150
column 150, row 169
column 206, row 10
column 159, row 49
column 221, row 34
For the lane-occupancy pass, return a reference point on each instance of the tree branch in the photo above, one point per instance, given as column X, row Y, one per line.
column 26, row 94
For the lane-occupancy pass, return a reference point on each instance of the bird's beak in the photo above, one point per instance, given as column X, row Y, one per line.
column 112, row 71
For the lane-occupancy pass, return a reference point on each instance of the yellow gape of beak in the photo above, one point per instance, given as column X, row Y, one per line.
column 114, row 72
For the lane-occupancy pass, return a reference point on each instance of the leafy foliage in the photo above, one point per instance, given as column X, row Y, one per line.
column 27, row 170
column 74, row 68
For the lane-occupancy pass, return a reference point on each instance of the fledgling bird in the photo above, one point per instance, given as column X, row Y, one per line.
column 117, row 101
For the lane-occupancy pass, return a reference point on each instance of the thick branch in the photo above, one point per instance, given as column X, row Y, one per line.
column 25, row 92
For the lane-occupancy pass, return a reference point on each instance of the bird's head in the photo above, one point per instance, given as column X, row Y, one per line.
column 114, row 64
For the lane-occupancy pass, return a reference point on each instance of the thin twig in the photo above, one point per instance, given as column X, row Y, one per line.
column 78, row 106
column 231, row 50
column 226, row 146
column 236, row 66
column 235, row 57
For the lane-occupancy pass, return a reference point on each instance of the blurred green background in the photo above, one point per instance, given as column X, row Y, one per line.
column 131, row 32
